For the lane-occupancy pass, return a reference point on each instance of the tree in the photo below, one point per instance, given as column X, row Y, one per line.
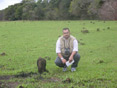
column 93, row 8
column 64, row 6
column 28, row 1
column 61, row 10
column 10, row 13
column 18, row 12
column 28, row 10
column 2, row 15
column 40, row 10
column 109, row 10
column 79, row 9
column 58, row 9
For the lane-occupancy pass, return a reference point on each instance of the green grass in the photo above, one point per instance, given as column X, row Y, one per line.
column 25, row 41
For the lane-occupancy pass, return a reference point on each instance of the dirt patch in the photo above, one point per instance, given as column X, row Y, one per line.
column 67, row 80
column 51, row 79
column 98, row 29
column 100, row 61
column 21, row 74
column 85, row 31
column 3, row 54
column 8, row 84
column 108, row 27
column 7, row 77
column 24, row 75
column 82, row 43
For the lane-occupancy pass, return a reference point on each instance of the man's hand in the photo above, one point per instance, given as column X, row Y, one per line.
column 64, row 61
column 61, row 57
column 70, row 59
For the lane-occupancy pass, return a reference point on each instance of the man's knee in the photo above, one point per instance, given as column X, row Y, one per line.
column 77, row 56
column 58, row 62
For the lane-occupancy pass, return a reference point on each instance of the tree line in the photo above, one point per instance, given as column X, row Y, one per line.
column 61, row 10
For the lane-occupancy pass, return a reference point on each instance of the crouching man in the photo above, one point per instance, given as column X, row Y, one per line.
column 67, row 50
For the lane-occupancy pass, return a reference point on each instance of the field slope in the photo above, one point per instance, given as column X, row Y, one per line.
column 23, row 42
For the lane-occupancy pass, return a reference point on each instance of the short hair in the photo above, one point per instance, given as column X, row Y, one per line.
column 66, row 29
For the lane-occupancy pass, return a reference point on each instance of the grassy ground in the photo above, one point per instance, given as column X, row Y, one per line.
column 23, row 42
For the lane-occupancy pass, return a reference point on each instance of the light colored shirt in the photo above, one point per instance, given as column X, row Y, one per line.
column 58, row 47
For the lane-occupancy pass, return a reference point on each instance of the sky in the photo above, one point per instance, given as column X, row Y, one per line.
column 5, row 3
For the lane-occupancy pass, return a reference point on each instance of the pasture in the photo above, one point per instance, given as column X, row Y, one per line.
column 23, row 42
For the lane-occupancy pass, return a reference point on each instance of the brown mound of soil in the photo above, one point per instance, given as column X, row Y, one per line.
column 3, row 54
column 108, row 27
column 85, row 31
column 98, row 29
column 8, row 84
column 67, row 80
column 101, row 61
column 82, row 43
column 6, row 77
column 23, row 74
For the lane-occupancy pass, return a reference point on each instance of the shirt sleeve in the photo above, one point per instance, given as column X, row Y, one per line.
column 75, row 45
column 58, row 46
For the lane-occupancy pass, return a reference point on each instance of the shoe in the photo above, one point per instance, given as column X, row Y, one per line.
column 73, row 69
column 64, row 69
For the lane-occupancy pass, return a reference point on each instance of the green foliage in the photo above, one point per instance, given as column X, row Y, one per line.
column 25, row 41
column 28, row 1
column 52, row 10
column 18, row 12
column 10, row 13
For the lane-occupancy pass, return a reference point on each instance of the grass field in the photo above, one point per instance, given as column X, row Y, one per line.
column 23, row 42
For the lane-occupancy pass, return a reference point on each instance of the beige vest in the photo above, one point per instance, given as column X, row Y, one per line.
column 66, row 43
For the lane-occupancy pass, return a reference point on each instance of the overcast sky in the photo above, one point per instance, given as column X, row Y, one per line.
column 5, row 3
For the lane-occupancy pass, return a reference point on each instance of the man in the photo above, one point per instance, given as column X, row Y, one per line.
column 67, row 50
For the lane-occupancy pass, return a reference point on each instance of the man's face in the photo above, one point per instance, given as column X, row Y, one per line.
column 66, row 34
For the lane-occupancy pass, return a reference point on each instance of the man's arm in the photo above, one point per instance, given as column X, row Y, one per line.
column 75, row 50
column 58, row 51
column 61, row 57
column 72, row 55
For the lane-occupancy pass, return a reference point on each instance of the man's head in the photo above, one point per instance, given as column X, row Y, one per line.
column 66, row 33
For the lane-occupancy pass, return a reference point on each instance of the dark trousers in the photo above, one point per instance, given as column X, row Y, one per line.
column 76, row 58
